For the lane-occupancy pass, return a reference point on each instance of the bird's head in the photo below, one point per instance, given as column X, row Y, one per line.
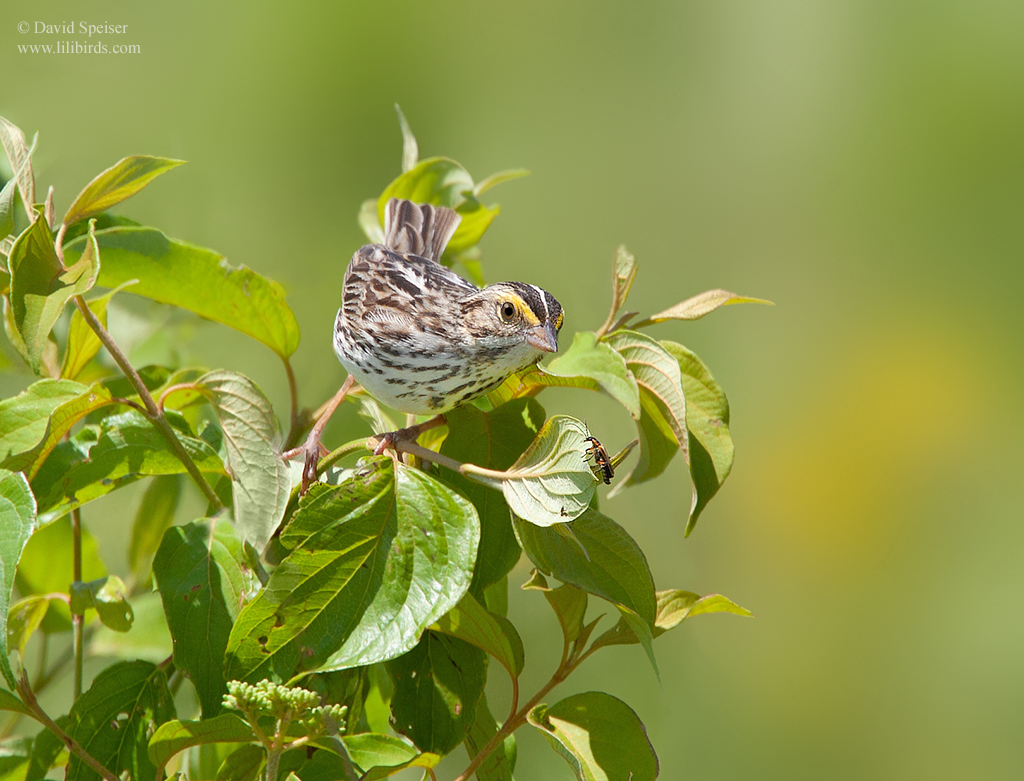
column 515, row 314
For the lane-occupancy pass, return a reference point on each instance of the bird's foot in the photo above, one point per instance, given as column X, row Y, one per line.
column 393, row 439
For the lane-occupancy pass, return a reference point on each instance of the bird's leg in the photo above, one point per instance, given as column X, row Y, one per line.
column 313, row 449
column 410, row 434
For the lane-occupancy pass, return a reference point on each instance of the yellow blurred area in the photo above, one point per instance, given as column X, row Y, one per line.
column 863, row 440
column 858, row 163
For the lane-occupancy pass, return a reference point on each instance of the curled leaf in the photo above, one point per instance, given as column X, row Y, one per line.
column 674, row 606
column 41, row 286
column 108, row 596
column 662, row 423
column 410, row 149
column 707, row 420
column 699, row 305
column 20, row 156
column 260, row 478
column 623, row 274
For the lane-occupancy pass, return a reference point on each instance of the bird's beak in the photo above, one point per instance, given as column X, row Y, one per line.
column 543, row 337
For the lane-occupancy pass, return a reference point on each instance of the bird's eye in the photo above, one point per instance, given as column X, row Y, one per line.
column 508, row 311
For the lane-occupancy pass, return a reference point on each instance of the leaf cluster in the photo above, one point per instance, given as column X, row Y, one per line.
column 347, row 632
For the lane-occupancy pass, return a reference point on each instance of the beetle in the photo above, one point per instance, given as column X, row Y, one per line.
column 602, row 467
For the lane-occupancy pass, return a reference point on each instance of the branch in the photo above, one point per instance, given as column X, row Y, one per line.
column 77, row 619
column 153, row 411
column 516, row 721
column 293, row 392
column 29, row 698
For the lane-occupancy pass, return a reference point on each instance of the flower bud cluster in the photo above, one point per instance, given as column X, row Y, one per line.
column 267, row 698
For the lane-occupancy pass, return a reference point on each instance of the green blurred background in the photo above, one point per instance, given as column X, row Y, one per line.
column 859, row 163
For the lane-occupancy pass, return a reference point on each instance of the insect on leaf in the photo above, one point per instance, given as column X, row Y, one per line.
column 551, row 482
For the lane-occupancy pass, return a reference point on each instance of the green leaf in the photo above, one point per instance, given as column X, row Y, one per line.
column 153, row 377
column 373, row 562
column 473, row 623
column 154, row 516
column 115, row 717
column 376, row 755
column 148, row 639
column 108, row 596
column 663, row 406
column 499, row 178
column 175, row 736
column 370, row 222
column 102, row 221
column 82, row 343
column 10, row 702
column 41, row 286
column 322, row 766
column 674, row 606
column 17, row 522
column 20, row 156
column 197, row 279
column 260, row 477
column 443, row 182
column 595, row 360
column 243, row 764
column 424, row 760
column 204, row 761
column 707, row 419
column 25, row 617
column 7, row 216
column 493, row 440
column 23, row 418
column 69, row 410
column 657, row 372
column 699, row 305
column 14, row 758
column 600, row 737
column 45, row 568
column 502, row 761
column 122, row 449
column 532, row 381
column 370, row 750
column 410, row 149
column 623, row 274
column 377, row 705
column 118, row 183
column 568, row 602
column 550, row 483
column 202, row 584
column 602, row 559
column 437, row 686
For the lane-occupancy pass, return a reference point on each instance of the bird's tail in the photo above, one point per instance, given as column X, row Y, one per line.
column 418, row 229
